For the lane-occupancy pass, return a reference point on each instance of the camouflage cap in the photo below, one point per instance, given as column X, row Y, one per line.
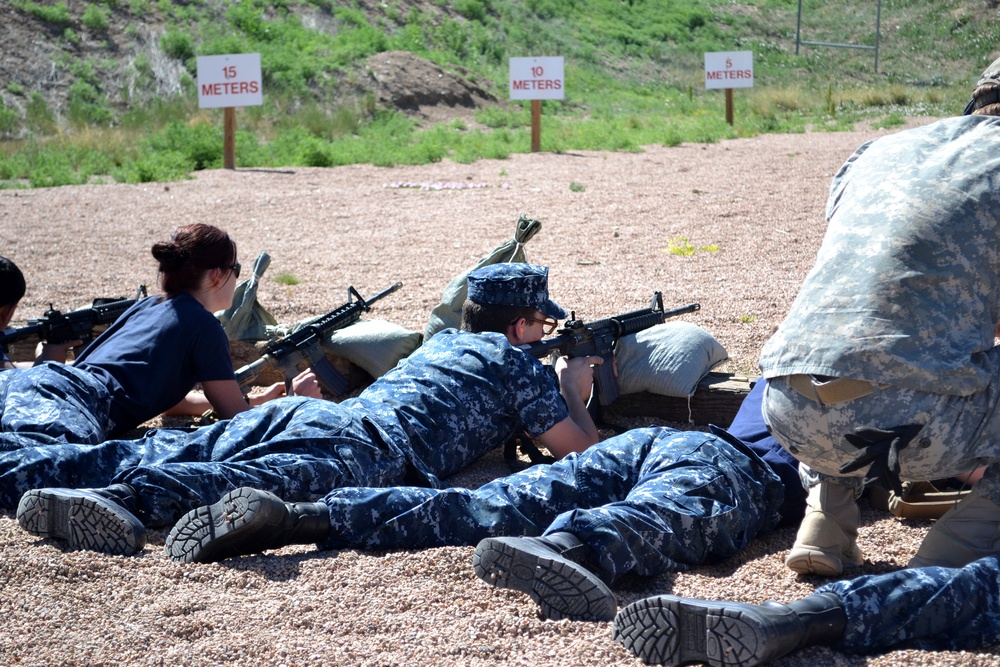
column 987, row 90
column 514, row 284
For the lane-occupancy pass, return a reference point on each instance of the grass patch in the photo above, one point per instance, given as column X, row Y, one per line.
column 286, row 278
column 681, row 247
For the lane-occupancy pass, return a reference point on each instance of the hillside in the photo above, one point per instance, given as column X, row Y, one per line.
column 361, row 80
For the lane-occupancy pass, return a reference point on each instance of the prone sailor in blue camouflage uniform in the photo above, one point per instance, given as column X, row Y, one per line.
column 649, row 501
column 926, row 608
column 885, row 366
column 12, row 289
column 459, row 395
column 904, row 302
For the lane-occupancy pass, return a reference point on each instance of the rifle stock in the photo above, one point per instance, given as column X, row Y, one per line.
column 305, row 344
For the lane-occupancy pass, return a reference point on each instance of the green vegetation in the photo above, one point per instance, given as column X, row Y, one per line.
column 576, row 187
column 286, row 278
column 681, row 247
column 633, row 71
column 57, row 14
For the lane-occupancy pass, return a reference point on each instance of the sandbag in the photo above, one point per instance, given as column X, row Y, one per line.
column 374, row 345
column 448, row 314
column 669, row 359
column 246, row 319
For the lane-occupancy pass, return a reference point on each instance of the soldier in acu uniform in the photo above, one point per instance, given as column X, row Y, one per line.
column 885, row 367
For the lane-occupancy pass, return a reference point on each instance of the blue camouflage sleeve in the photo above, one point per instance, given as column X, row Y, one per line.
column 535, row 393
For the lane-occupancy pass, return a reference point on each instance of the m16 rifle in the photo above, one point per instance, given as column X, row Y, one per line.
column 285, row 353
column 592, row 339
column 58, row 327
column 597, row 339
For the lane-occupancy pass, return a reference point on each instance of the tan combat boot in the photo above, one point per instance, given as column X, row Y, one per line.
column 967, row 532
column 827, row 539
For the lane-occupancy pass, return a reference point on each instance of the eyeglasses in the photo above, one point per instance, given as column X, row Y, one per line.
column 548, row 324
column 235, row 268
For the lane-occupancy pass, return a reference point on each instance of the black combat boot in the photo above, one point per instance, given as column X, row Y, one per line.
column 551, row 570
column 245, row 521
column 671, row 630
column 96, row 519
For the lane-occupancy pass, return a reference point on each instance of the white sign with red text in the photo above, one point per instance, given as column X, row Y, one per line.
column 537, row 79
column 729, row 69
column 229, row 81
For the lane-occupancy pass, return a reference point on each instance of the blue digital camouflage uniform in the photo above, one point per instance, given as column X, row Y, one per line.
column 51, row 404
column 925, row 608
column 453, row 399
column 647, row 502
column 905, row 294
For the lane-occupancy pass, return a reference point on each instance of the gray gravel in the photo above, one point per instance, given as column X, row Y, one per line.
column 760, row 201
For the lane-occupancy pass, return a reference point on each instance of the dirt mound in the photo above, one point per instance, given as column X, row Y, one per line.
column 416, row 86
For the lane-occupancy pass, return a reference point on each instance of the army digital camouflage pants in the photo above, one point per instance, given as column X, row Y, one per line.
column 297, row 448
column 646, row 502
column 959, row 433
column 926, row 608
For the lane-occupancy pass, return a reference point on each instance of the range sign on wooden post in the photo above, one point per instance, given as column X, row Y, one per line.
column 537, row 79
column 729, row 69
column 228, row 82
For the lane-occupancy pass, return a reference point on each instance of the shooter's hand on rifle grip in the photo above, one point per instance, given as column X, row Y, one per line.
column 305, row 384
column 577, row 375
column 54, row 351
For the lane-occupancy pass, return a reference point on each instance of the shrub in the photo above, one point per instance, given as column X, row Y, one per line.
column 201, row 144
column 177, row 44
column 95, row 17
column 87, row 105
column 159, row 166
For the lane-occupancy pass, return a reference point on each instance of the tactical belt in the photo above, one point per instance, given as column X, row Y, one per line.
column 833, row 390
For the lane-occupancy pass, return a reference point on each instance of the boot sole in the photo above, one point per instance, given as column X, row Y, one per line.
column 813, row 561
column 560, row 587
column 229, row 527
column 668, row 630
column 82, row 520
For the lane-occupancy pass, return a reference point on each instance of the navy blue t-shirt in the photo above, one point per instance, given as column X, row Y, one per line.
column 154, row 354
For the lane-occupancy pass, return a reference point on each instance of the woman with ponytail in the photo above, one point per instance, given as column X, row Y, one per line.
column 147, row 362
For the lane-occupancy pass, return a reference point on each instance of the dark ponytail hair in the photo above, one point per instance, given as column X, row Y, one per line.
column 192, row 251
column 12, row 285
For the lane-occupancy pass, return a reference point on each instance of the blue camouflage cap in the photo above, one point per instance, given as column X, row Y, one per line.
column 514, row 284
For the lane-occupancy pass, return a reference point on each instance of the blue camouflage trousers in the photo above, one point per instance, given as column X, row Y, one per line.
column 646, row 502
column 297, row 448
column 49, row 404
column 931, row 608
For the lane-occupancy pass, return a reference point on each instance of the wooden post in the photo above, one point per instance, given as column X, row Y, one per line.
column 536, row 126
column 229, row 138
column 729, row 105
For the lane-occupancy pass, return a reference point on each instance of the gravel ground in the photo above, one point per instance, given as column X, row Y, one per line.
column 759, row 201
